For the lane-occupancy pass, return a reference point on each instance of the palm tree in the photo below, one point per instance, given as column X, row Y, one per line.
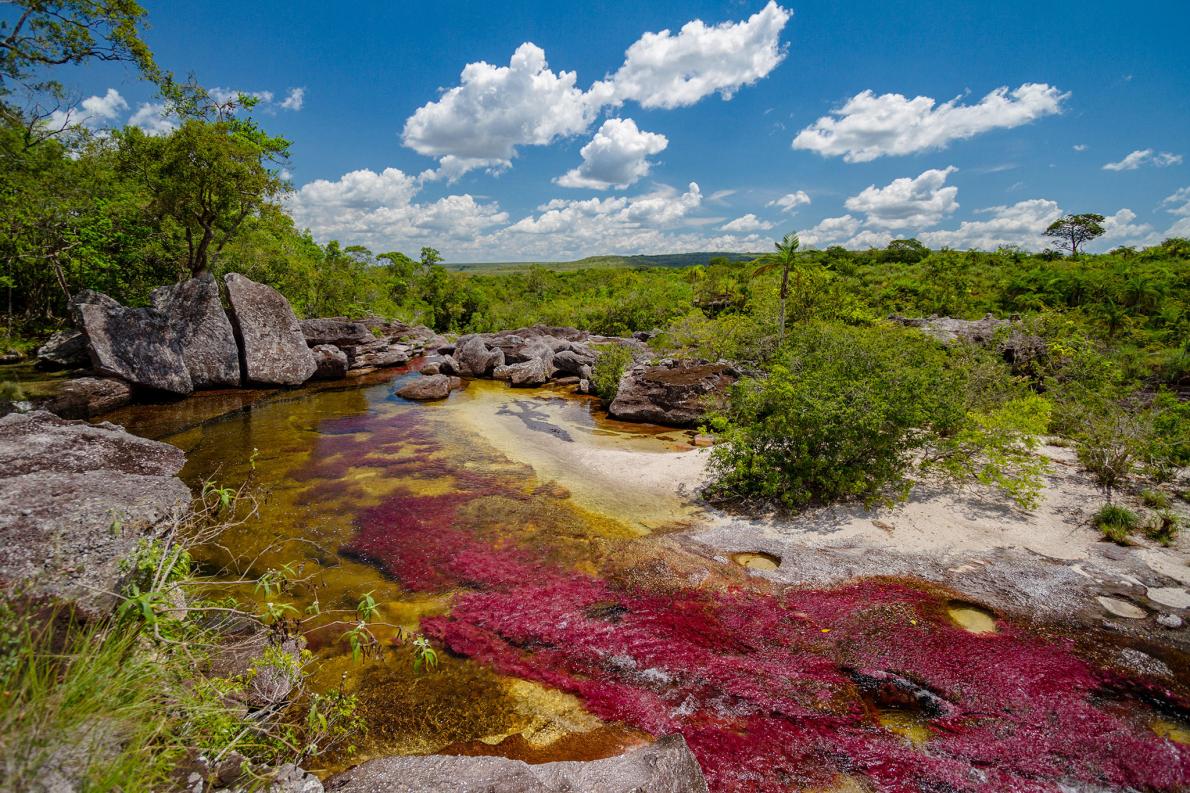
column 785, row 257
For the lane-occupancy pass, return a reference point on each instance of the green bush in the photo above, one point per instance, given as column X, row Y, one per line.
column 609, row 368
column 1155, row 499
column 841, row 416
column 1115, row 523
column 1164, row 527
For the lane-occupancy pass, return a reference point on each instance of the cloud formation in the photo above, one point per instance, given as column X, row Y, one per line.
column 616, row 156
column 907, row 203
column 790, row 201
column 868, row 126
column 93, row 112
column 748, row 222
column 1144, row 157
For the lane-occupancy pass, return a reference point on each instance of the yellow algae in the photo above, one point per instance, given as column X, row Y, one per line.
column 756, row 560
column 971, row 618
column 1171, row 730
column 843, row 783
column 908, row 725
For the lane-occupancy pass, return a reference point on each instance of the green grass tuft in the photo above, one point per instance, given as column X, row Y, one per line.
column 1115, row 523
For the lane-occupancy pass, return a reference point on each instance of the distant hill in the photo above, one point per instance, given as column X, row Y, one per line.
column 607, row 262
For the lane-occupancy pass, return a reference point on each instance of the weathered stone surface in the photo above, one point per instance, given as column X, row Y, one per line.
column 273, row 346
column 136, row 344
column 950, row 330
column 677, row 393
column 66, row 349
column 337, row 331
column 666, row 766
column 572, row 362
column 533, row 372
column 473, row 357
column 195, row 313
column 88, row 297
column 433, row 367
column 377, row 353
column 84, row 397
column 75, row 499
column 331, row 362
column 429, row 387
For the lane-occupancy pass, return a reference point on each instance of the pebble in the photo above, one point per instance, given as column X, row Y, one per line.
column 1172, row 596
column 1171, row 621
column 1122, row 608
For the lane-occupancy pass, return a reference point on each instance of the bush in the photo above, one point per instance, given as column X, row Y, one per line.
column 1115, row 523
column 1164, row 528
column 841, row 416
column 609, row 368
column 1155, row 499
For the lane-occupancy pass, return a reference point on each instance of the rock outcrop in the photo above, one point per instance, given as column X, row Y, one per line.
column 949, row 330
column 666, row 766
column 338, row 331
column 272, row 345
column 204, row 333
column 672, row 392
column 331, row 362
column 474, row 358
column 75, row 499
column 66, row 349
column 135, row 344
column 429, row 387
column 84, row 397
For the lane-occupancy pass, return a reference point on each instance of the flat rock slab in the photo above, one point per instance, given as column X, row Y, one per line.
column 75, row 499
column 136, row 344
column 336, row 331
column 272, row 343
column 84, row 397
column 208, row 343
column 677, row 393
column 666, row 766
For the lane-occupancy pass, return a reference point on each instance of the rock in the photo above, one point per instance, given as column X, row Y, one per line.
column 289, row 778
column 433, row 367
column 572, row 362
column 88, row 297
column 84, row 397
column 1122, row 608
column 584, row 385
column 666, row 766
column 425, row 388
column 502, row 373
column 473, row 358
column 135, row 344
column 1143, row 664
column 703, row 440
column 331, row 362
column 676, row 393
column 949, row 330
column 534, row 372
column 271, row 340
column 1171, row 621
column 377, row 353
column 66, row 349
column 208, row 343
column 75, row 500
column 448, row 366
column 337, row 331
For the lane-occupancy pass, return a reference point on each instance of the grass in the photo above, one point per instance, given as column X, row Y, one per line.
column 1164, row 528
column 1154, row 499
column 1115, row 523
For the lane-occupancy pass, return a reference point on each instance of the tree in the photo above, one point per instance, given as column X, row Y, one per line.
column 785, row 257
column 1072, row 232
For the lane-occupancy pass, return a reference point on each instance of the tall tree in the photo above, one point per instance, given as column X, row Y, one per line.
column 1074, row 231
column 785, row 258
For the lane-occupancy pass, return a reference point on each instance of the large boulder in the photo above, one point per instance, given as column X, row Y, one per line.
column 331, row 362
column 572, row 361
column 337, row 331
column 75, row 500
column 666, row 766
column 135, row 344
column 949, row 330
column 534, row 372
column 66, row 349
column 429, row 387
column 273, row 346
column 473, row 357
column 208, row 343
column 377, row 353
column 84, row 397
column 676, row 393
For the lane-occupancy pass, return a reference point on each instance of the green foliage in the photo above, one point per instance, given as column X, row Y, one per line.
column 609, row 367
column 1154, row 499
column 1071, row 232
column 425, row 657
column 1163, row 528
column 11, row 391
column 1115, row 523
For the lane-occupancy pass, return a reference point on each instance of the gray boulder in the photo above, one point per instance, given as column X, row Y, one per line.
column 473, row 357
column 273, row 346
column 136, row 344
column 572, row 362
column 84, row 397
column 66, row 349
column 377, row 353
column 676, row 393
column 331, row 362
column 949, row 330
column 75, row 500
column 208, row 343
column 429, row 387
column 337, row 331
column 666, row 766
column 534, row 372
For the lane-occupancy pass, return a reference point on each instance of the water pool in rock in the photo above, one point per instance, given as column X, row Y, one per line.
column 539, row 546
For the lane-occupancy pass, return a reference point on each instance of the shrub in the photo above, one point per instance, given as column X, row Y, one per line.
column 1115, row 523
column 609, row 368
column 1154, row 498
column 1164, row 527
column 841, row 416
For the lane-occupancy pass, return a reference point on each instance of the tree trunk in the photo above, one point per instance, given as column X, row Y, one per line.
column 784, row 294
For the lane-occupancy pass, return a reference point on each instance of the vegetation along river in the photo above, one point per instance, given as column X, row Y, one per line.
column 538, row 546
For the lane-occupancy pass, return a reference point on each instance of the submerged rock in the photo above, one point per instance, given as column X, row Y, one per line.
column 666, row 766
column 84, row 397
column 75, row 500
column 136, row 344
column 331, row 362
column 677, row 393
column 273, row 346
column 208, row 344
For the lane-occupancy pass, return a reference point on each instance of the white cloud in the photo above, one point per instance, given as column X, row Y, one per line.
column 830, row 231
column 868, row 126
column 790, row 201
column 224, row 95
column 494, row 109
column 1080, row 147
column 93, row 112
column 1178, row 205
column 377, row 209
column 617, row 156
column 153, row 119
column 902, row 203
column 1021, row 224
column 294, row 99
column 668, row 71
column 748, row 222
column 1144, row 157
column 1119, row 229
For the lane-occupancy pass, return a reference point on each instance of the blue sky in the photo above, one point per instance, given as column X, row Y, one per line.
column 966, row 124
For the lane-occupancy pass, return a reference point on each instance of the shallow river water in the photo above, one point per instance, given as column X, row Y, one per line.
column 539, row 546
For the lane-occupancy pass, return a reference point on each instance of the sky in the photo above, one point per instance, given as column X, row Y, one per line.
column 551, row 131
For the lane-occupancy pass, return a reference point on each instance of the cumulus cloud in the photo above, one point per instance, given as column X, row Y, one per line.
column 921, row 201
column 616, row 157
column 1121, row 229
column 93, row 112
column 830, row 231
column 748, row 222
column 294, row 99
column 1178, row 205
column 224, row 95
column 1080, row 147
column 790, row 201
column 494, row 109
column 378, row 210
column 666, row 70
column 1144, row 157
column 868, row 126
column 1021, row 224
column 153, row 119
